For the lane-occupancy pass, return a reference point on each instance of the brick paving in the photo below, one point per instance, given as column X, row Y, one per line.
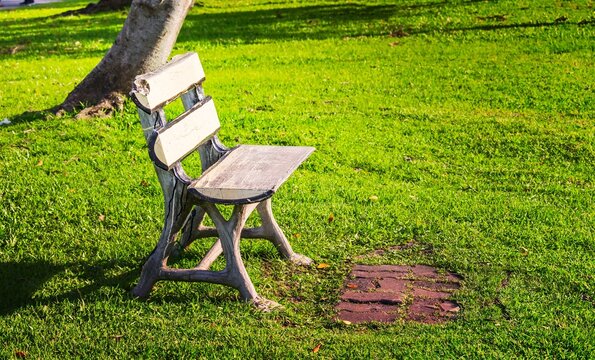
column 386, row 293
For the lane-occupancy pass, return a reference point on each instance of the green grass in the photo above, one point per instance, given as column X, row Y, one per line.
column 474, row 129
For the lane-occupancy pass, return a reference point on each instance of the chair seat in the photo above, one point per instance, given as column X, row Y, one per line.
column 248, row 173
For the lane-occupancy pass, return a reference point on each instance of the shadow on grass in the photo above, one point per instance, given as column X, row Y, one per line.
column 316, row 22
column 19, row 281
column 493, row 27
column 290, row 23
column 91, row 35
column 31, row 116
column 60, row 35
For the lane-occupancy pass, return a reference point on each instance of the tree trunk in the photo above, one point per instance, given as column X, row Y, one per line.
column 144, row 43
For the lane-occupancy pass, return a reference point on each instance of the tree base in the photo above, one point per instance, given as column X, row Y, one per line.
column 144, row 43
column 101, row 6
column 103, row 108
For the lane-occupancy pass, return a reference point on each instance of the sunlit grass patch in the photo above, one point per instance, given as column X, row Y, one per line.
column 464, row 128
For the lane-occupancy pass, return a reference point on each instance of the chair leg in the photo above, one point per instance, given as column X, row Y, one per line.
column 176, row 214
column 230, row 235
column 210, row 256
column 192, row 228
column 274, row 233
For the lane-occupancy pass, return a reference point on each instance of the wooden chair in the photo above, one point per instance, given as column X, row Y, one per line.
column 245, row 177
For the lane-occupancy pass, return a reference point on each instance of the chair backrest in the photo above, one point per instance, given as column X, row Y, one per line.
column 156, row 89
column 173, row 141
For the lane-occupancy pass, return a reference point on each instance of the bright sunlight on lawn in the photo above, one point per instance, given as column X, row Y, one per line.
column 462, row 128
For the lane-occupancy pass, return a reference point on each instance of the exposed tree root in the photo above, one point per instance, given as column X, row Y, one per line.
column 103, row 108
column 101, row 6
column 105, row 6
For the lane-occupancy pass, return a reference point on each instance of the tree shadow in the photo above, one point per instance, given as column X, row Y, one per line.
column 59, row 36
column 289, row 23
column 72, row 35
column 20, row 281
column 32, row 116
column 493, row 27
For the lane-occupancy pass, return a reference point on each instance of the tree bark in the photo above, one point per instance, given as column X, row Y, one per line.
column 144, row 43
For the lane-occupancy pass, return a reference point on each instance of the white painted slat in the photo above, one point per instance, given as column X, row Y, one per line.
column 178, row 138
column 250, row 170
column 162, row 85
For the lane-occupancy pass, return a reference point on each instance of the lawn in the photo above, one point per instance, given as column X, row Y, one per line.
column 472, row 122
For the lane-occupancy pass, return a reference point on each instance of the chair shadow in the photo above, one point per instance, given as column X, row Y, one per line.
column 20, row 281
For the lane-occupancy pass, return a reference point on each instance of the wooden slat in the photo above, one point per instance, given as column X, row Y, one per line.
column 164, row 84
column 249, row 171
column 181, row 136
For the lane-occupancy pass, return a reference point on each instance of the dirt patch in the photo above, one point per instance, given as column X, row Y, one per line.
column 386, row 293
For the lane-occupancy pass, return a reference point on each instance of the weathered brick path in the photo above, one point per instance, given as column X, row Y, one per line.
column 386, row 293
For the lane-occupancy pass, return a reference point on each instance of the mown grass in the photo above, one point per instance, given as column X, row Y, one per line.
column 472, row 121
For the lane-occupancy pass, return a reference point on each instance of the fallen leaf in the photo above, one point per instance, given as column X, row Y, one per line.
column 331, row 218
column 346, row 322
column 40, row 162
column 394, row 43
column 144, row 183
column 20, row 354
column 297, row 235
column 373, row 198
column 524, row 251
column 316, row 348
column 101, row 217
column 117, row 337
column 352, row 286
column 323, row 266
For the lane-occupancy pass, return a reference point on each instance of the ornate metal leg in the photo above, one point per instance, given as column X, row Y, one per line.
column 192, row 227
column 211, row 256
column 230, row 235
column 176, row 213
column 272, row 232
column 269, row 230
